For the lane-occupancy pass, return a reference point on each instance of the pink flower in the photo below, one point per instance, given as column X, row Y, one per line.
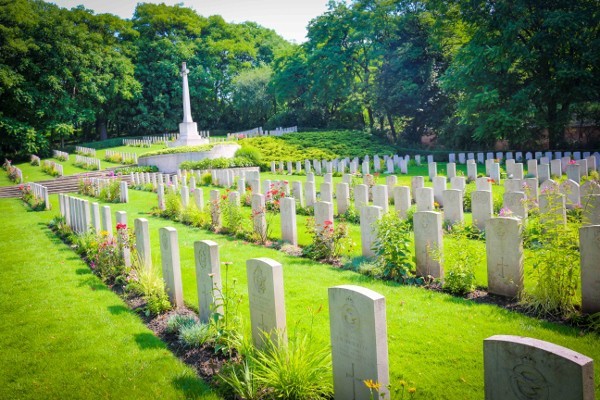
column 121, row 226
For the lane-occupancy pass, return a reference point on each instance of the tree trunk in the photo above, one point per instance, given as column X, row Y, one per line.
column 101, row 128
column 392, row 127
column 370, row 114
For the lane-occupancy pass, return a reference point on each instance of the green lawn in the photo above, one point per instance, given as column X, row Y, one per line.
column 435, row 340
column 64, row 334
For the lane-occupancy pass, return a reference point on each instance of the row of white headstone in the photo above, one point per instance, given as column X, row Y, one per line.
column 161, row 138
column 427, row 223
column 85, row 151
column 91, row 163
column 60, row 155
column 132, row 157
column 513, row 366
column 54, row 165
column 257, row 132
column 40, row 193
column 137, row 142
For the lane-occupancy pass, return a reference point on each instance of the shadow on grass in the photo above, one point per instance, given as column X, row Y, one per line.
column 517, row 316
column 119, row 309
column 148, row 341
column 83, row 271
column 93, row 283
column 191, row 386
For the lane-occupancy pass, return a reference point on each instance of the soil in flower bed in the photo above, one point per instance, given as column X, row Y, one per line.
column 203, row 360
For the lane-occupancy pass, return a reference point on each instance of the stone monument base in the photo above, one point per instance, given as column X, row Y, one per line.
column 188, row 136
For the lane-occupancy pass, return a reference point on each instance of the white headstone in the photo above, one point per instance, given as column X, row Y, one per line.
column 208, row 279
column 359, row 347
column 169, row 252
column 266, row 298
column 504, row 248
column 369, row 215
column 428, row 242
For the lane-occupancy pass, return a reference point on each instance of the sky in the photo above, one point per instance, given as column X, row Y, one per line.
column 288, row 18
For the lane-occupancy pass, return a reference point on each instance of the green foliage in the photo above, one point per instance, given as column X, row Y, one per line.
column 146, row 282
column 128, row 170
column 250, row 152
column 206, row 179
column 35, row 203
column 218, row 163
column 183, row 149
column 328, row 242
column 195, row 335
column 460, row 257
column 177, row 321
column 393, row 249
column 111, row 193
column 173, row 206
column 555, row 262
column 293, row 370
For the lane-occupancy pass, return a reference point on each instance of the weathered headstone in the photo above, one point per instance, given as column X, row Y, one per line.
column 358, row 329
column 425, row 199
column 310, row 194
column 573, row 172
column 458, row 183
column 504, row 248
column 169, row 253
column 482, row 207
column 532, row 167
column 515, row 202
column 428, row 243
column 432, row 167
column 266, row 298
column 288, row 221
column 483, row 183
column 556, row 168
column 215, row 208
column 258, row 215
column 591, row 209
column 208, row 279
column 471, row 171
column 199, row 198
column 543, row 172
column 142, row 242
column 343, row 197
column 521, row 368
column 439, row 185
column 415, row 183
column 369, row 215
column 380, row 197
column 95, row 214
column 185, row 196
column 451, row 170
column 106, row 220
column 327, row 192
column 589, row 247
column 453, row 206
column 361, row 196
column 402, row 200
column 323, row 215
column 571, row 190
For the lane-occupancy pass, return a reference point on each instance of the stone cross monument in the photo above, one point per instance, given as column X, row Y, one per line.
column 188, row 130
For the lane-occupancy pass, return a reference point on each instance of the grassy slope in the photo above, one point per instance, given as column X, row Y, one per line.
column 435, row 340
column 63, row 334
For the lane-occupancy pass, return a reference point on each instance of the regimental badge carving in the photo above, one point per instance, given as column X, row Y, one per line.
column 164, row 240
column 350, row 315
column 259, row 281
column 424, row 223
column 203, row 258
column 500, row 230
column 527, row 383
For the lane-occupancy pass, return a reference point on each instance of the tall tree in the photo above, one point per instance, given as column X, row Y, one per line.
column 525, row 66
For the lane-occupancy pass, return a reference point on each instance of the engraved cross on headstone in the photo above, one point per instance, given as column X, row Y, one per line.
column 501, row 264
column 354, row 380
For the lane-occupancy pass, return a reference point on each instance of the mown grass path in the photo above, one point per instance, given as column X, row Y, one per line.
column 63, row 334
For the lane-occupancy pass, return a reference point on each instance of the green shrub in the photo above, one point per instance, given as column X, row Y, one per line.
column 173, row 207
column 128, row 170
column 218, row 163
column 183, row 149
column 555, row 264
column 111, row 193
column 206, row 179
column 195, row 335
column 392, row 248
column 147, row 283
column 328, row 242
column 294, row 370
column 249, row 152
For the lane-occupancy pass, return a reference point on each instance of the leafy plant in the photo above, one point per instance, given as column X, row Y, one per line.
column 178, row 321
column 555, row 263
column 328, row 242
column 392, row 248
column 195, row 335
column 147, row 283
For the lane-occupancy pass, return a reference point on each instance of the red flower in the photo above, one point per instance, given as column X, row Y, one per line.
column 327, row 223
column 121, row 226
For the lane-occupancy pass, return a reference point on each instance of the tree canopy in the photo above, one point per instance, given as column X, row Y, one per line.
column 469, row 71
